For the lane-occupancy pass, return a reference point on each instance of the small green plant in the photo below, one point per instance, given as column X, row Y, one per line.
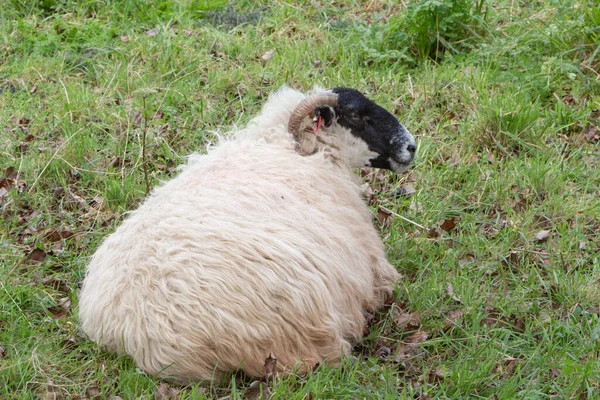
column 430, row 28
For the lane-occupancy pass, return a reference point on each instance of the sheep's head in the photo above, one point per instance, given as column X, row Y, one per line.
column 366, row 133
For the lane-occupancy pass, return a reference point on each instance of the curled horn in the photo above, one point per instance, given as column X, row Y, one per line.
column 307, row 106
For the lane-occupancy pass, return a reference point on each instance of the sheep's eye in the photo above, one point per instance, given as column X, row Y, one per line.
column 367, row 120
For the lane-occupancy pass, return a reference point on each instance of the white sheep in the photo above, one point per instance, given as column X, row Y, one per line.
column 264, row 245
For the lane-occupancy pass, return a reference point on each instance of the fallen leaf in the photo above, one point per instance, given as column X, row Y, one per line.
column 11, row 173
column 402, row 320
column 270, row 365
column 136, row 117
column 435, row 376
column 268, row 54
column 582, row 245
column 33, row 89
column 316, row 63
column 61, row 309
column 164, row 392
column 434, row 232
column 2, row 353
column 410, row 344
column 506, row 366
column 70, row 343
column 383, row 216
column 448, row 225
column 519, row 324
column 78, row 199
column 23, row 122
column 93, row 392
column 257, row 390
column 453, row 316
column 124, row 38
column 450, row 292
column 492, row 319
column 489, row 230
column 50, row 392
column 554, row 373
column 416, row 207
column 152, row 32
column 591, row 133
column 56, row 283
column 37, row 255
column 542, row 236
column 57, row 234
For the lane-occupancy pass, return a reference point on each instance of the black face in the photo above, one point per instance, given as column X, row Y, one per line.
column 379, row 129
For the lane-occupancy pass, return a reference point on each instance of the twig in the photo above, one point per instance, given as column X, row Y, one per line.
column 403, row 218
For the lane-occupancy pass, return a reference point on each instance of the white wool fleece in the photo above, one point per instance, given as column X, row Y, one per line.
column 252, row 249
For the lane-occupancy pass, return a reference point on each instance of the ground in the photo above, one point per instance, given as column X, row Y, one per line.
column 496, row 229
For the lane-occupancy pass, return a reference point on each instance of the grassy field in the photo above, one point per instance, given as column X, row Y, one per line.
column 501, row 291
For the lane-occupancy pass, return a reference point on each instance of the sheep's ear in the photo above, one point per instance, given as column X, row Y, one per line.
column 327, row 113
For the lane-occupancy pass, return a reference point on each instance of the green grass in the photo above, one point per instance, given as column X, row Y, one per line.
column 499, row 95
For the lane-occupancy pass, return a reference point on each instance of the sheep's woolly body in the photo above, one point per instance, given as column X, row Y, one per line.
column 251, row 250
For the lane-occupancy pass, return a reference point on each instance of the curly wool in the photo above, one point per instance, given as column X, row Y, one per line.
column 252, row 249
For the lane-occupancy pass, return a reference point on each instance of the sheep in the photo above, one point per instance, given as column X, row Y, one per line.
column 262, row 246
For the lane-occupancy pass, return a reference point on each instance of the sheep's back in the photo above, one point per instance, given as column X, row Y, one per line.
column 235, row 258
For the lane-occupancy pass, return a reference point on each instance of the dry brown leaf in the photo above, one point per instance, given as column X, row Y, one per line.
column 50, row 392
column 70, row 343
column 270, row 365
column 152, row 32
column 56, row 283
column 268, row 54
column 434, row 232
column 435, row 376
column 383, row 216
column 136, row 117
column 402, row 320
column 164, row 392
column 448, row 225
column 78, row 199
column 416, row 207
column 93, row 392
column 454, row 315
column 554, row 373
column 506, row 366
column 542, row 236
column 33, row 89
column 257, row 390
column 408, row 346
column 450, row 293
column 61, row 309
column 37, row 255
column 591, row 133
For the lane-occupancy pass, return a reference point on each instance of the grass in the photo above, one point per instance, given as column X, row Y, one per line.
column 504, row 100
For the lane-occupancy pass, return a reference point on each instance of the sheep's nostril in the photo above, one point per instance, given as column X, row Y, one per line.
column 411, row 148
